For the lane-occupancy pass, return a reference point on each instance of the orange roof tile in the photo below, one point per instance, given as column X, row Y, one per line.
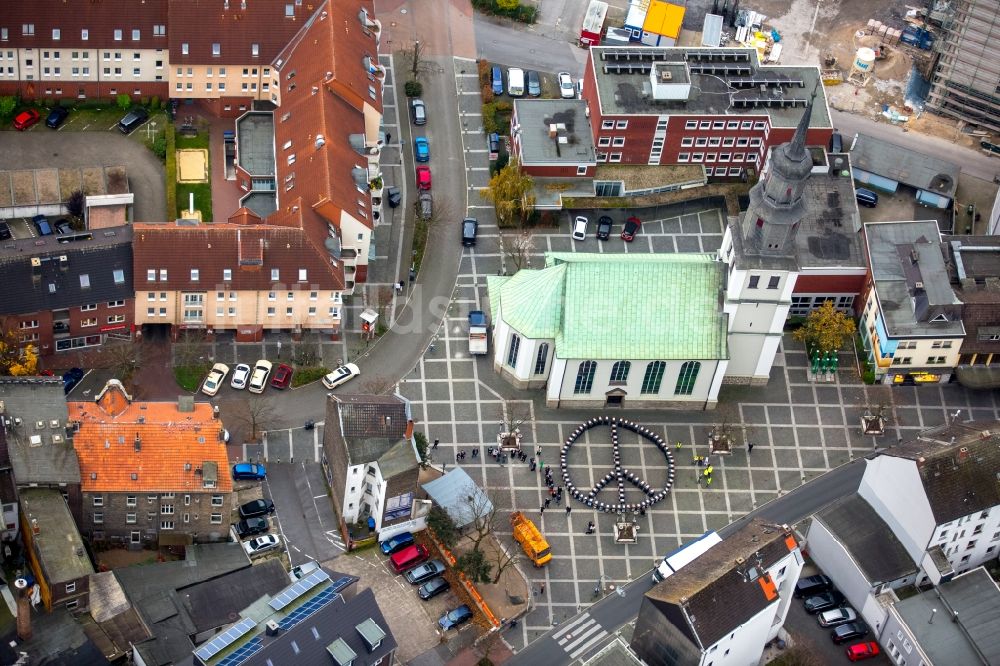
column 147, row 446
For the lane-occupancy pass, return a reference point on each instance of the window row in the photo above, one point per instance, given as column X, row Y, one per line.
column 651, row 380
column 724, row 142
column 717, row 157
column 724, row 124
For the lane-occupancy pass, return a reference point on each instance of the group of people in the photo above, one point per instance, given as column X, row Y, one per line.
column 461, row 454
column 702, row 461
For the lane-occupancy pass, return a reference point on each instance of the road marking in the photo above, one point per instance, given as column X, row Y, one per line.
column 318, row 496
column 580, row 635
column 562, row 630
column 463, row 74
column 468, row 92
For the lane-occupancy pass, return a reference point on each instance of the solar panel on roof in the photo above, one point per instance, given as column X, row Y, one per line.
column 297, row 589
column 224, row 640
column 243, row 652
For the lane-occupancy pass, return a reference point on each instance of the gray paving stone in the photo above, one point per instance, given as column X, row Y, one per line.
column 808, row 437
column 440, row 391
column 831, row 415
column 782, row 436
column 800, row 376
column 438, row 412
column 787, row 458
column 672, row 226
column 813, row 459
column 834, row 438
column 763, row 480
column 805, row 415
column 687, row 244
column 711, row 243
column 907, row 417
column 663, row 244
column 779, row 414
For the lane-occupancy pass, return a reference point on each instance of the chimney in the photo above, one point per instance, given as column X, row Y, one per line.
column 914, row 256
column 963, row 453
column 552, row 130
column 138, row 443
column 63, row 263
column 24, row 617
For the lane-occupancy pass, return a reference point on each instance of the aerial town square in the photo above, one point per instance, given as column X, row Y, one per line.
column 475, row 332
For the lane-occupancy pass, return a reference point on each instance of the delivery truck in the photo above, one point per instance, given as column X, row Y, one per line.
column 684, row 555
column 593, row 24
column 478, row 333
column 534, row 544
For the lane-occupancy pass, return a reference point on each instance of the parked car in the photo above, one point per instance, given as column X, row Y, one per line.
column 5, row 231
column 258, row 507
column 418, row 112
column 455, row 618
column 240, row 376
column 132, row 120
column 25, row 119
column 396, row 543
column 990, row 147
column 394, row 196
column 866, row 197
column 580, row 228
column 425, row 572
column 496, row 78
column 470, row 227
column 860, row 651
column 250, row 526
column 216, row 376
column 261, row 371
column 425, row 205
column 534, row 84
column 282, row 378
column 423, row 177
column 409, row 557
column 566, row 88
column 342, row 374
column 42, row 225
column 71, row 378
column 56, row 117
column 261, row 544
column 812, row 585
column 422, row 149
column 836, row 617
column 433, row 587
column 631, row 228
column 249, row 472
column 493, row 143
column 63, row 227
column 604, row 227
column 849, row 632
column 822, row 602
column 836, row 143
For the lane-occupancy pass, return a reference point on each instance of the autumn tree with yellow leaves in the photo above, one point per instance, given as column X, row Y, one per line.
column 17, row 359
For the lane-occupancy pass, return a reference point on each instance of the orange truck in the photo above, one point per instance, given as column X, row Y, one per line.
column 534, row 544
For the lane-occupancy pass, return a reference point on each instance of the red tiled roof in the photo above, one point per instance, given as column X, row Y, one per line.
column 201, row 23
column 147, row 446
column 99, row 17
column 250, row 252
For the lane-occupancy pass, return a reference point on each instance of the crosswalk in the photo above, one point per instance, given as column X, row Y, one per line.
column 579, row 636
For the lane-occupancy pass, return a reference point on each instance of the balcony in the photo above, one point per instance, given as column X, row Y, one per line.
column 378, row 71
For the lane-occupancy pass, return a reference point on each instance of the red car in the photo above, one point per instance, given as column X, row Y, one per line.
column 26, row 119
column 860, row 651
column 282, row 377
column 423, row 177
column 631, row 228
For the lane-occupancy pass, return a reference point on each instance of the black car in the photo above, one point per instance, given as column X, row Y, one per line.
column 133, row 119
column 394, row 196
column 604, row 227
column 813, row 585
column 63, row 227
column 56, row 117
column 5, row 231
column 849, row 632
column 470, row 226
column 260, row 507
column 534, row 84
column 251, row 526
column 425, row 572
column 433, row 587
column 823, row 602
column 71, row 378
column 418, row 112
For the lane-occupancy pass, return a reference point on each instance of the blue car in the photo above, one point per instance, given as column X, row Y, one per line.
column 455, row 618
column 249, row 472
column 497, row 79
column 396, row 543
column 422, row 148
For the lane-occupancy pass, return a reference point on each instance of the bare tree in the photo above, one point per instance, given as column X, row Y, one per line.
column 517, row 248
column 501, row 558
column 256, row 413
column 383, row 299
column 306, row 353
column 484, row 514
column 377, row 385
column 415, row 57
column 192, row 348
column 512, row 414
column 122, row 357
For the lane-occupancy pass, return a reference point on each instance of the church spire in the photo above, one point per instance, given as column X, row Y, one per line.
column 797, row 147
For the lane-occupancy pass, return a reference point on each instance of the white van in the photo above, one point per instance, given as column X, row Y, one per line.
column 515, row 82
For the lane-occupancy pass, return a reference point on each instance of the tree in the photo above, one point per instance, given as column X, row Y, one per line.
column 422, row 448
column 122, row 357
column 256, row 413
column 474, row 565
column 517, row 248
column 377, row 385
column 17, row 358
column 443, row 526
column 75, row 204
column 123, row 101
column 502, row 559
column 510, row 192
column 507, row 5
column 415, row 55
column 7, row 105
column 484, row 512
column 826, row 329
column 512, row 414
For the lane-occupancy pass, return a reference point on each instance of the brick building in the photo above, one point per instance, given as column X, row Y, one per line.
column 720, row 108
column 65, row 296
column 149, row 469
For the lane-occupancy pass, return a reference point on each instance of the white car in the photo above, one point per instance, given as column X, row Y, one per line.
column 261, row 371
column 566, row 88
column 240, row 376
column 580, row 228
column 215, row 379
column 261, row 544
column 341, row 375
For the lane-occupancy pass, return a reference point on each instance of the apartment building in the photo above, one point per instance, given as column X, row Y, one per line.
column 151, row 472
column 719, row 108
column 71, row 295
column 87, row 50
column 964, row 82
column 243, row 276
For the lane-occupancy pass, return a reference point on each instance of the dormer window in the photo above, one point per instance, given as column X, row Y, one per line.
column 302, row 275
column 216, row 49
column 939, row 319
column 255, row 50
column 227, row 274
column 184, row 48
column 275, row 272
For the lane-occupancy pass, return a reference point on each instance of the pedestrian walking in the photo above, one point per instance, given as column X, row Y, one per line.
column 678, row 445
column 590, row 527
column 543, row 588
column 568, row 509
column 547, row 502
column 706, row 473
column 552, row 491
column 749, row 448
column 538, row 452
column 541, row 465
column 708, row 480
column 709, row 469
column 698, row 479
column 558, row 498
column 458, row 456
column 388, row 138
column 541, row 509
column 475, row 452
column 436, row 442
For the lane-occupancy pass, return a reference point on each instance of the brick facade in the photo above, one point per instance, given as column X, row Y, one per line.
column 138, row 518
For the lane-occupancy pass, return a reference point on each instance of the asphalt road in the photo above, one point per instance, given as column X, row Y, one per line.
column 616, row 610
column 532, row 48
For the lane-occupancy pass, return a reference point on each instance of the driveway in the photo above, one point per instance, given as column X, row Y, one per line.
column 45, row 150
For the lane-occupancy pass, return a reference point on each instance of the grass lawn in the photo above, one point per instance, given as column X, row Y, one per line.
column 189, row 376
column 199, row 141
column 307, row 375
column 202, row 199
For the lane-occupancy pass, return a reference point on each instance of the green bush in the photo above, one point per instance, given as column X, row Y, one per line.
column 123, row 101
column 490, row 117
column 484, row 67
column 308, row 375
column 413, row 88
column 154, row 103
column 189, row 376
column 7, row 106
column 160, row 146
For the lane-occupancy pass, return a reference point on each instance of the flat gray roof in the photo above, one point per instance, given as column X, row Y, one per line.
column 722, row 82
column 830, row 231
column 909, row 167
column 255, row 143
column 869, row 540
column 910, row 279
column 59, row 545
column 573, row 142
